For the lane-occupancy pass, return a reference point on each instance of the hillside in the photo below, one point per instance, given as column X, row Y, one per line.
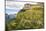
column 32, row 18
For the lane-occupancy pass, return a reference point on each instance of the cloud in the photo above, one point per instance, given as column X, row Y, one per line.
column 13, row 7
column 14, row 4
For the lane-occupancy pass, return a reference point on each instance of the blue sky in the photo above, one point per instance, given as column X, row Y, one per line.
column 12, row 10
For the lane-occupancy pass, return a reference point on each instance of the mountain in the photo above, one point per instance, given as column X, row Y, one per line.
column 8, row 17
column 11, row 16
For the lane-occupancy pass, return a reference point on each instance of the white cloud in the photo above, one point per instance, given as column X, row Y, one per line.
column 14, row 4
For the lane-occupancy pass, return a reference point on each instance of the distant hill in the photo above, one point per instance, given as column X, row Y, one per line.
column 8, row 17
column 12, row 16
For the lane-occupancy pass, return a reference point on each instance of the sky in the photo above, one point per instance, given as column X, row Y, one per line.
column 13, row 7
